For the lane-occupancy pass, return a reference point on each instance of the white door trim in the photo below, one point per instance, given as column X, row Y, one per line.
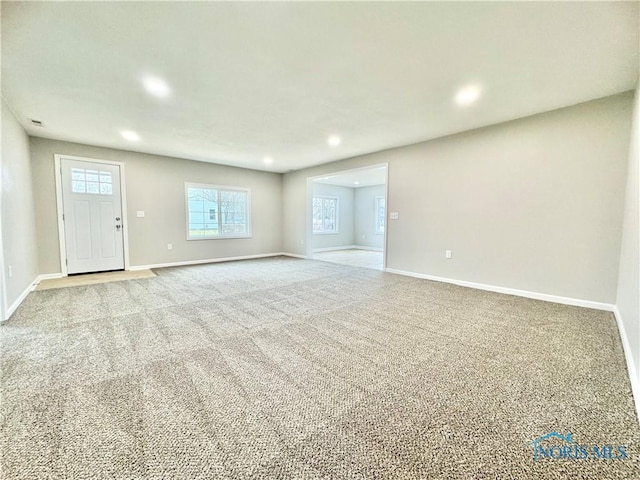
column 3, row 281
column 123, row 194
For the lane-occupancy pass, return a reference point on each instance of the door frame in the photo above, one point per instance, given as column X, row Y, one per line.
column 309, row 208
column 3, row 279
column 60, row 208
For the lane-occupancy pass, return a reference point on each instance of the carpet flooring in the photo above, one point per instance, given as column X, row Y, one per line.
column 296, row 369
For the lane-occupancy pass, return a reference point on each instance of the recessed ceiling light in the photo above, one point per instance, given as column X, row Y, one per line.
column 267, row 160
column 356, row 183
column 156, row 87
column 468, row 95
column 334, row 140
column 130, row 135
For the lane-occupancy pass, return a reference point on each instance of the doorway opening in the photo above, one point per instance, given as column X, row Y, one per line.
column 346, row 221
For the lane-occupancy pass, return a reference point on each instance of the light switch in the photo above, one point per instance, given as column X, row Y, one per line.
column 394, row 215
column 140, row 213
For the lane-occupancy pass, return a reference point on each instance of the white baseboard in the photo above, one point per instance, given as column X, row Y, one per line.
column 346, row 247
column 511, row 291
column 631, row 367
column 199, row 262
column 14, row 306
column 294, row 255
column 48, row 276
column 371, row 249
column 333, row 249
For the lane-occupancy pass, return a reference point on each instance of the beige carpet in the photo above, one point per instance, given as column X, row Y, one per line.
column 295, row 369
column 93, row 278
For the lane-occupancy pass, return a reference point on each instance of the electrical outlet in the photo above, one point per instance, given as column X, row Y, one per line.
column 394, row 215
column 169, row 246
column 10, row 271
column 140, row 213
column 447, row 253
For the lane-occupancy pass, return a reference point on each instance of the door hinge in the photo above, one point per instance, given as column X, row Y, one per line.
column 66, row 262
column 63, row 217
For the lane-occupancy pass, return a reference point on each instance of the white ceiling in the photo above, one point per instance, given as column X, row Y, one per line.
column 251, row 80
column 365, row 177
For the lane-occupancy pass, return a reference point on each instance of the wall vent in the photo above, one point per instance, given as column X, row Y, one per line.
column 36, row 123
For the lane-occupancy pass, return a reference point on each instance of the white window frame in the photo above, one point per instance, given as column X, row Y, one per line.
column 337, row 222
column 219, row 188
column 377, row 209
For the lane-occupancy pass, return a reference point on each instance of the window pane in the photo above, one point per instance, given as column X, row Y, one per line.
column 195, row 194
column 196, row 230
column 196, row 206
column 210, row 195
column 92, row 187
column 77, row 174
column 78, row 187
column 214, row 212
column 380, row 214
column 196, row 217
column 92, row 176
column 106, row 189
column 317, row 214
column 325, row 214
column 211, row 229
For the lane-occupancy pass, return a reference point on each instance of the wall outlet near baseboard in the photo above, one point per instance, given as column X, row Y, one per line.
column 447, row 253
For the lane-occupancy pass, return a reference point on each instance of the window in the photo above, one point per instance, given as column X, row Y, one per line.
column 380, row 214
column 325, row 215
column 217, row 212
column 91, row 181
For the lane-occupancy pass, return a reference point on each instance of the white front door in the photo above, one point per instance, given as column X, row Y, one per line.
column 92, row 213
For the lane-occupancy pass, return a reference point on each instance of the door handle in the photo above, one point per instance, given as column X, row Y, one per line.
column 117, row 219
column 118, row 227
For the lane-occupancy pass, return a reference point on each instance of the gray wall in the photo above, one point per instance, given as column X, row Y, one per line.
column 344, row 237
column 628, row 300
column 365, row 216
column 533, row 204
column 155, row 184
column 18, row 220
